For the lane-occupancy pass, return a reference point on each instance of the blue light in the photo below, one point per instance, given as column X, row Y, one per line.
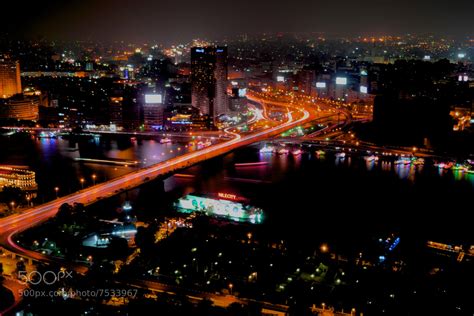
column 199, row 50
column 394, row 244
column 220, row 50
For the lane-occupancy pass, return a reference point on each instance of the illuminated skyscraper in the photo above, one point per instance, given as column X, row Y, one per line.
column 19, row 108
column 10, row 82
column 209, row 80
column 221, row 101
column 153, row 110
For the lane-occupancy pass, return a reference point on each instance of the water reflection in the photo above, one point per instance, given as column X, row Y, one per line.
column 53, row 159
column 370, row 165
column 405, row 171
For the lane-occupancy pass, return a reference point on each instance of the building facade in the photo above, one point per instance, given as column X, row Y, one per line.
column 20, row 108
column 209, row 80
column 10, row 82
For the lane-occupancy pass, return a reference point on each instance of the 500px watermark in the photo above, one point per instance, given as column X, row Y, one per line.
column 70, row 293
column 46, row 277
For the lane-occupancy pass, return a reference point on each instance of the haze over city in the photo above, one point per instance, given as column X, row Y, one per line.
column 169, row 22
column 241, row 158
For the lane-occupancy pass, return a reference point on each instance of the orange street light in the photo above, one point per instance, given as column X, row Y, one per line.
column 324, row 248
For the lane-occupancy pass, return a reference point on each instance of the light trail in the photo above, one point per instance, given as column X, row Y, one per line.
column 19, row 222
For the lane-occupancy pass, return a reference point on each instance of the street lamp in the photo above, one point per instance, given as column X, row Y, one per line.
column 82, row 183
column 93, row 178
column 324, row 248
column 12, row 203
column 230, row 288
column 56, row 189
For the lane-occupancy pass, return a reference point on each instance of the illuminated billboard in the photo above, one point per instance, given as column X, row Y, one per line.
column 242, row 92
column 221, row 207
column 364, row 89
column 321, row 85
column 153, row 99
column 341, row 80
column 280, row 79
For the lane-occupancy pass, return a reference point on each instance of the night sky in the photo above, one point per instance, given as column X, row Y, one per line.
column 169, row 21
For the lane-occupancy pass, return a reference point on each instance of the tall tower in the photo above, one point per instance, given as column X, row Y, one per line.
column 209, row 80
column 203, row 62
column 221, row 101
column 10, row 82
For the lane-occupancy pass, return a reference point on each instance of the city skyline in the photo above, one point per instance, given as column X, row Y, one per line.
column 236, row 158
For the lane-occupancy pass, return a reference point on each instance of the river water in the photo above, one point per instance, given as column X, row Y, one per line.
column 321, row 196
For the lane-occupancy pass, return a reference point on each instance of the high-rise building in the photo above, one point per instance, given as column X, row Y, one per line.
column 10, row 82
column 116, row 111
column 19, row 108
column 202, row 79
column 306, row 79
column 221, row 102
column 209, row 80
column 131, row 111
column 153, row 104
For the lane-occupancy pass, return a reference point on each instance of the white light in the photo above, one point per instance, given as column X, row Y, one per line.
column 153, row 98
column 461, row 55
column 363, row 89
column 427, row 57
column 280, row 79
column 320, row 85
column 341, row 80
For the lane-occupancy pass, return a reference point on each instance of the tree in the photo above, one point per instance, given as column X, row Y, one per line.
column 204, row 307
column 64, row 213
column 235, row 309
column 12, row 194
column 6, row 298
column 118, row 248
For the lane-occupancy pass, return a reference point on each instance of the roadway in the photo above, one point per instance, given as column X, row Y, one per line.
column 205, row 134
column 217, row 299
column 14, row 224
column 16, row 288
